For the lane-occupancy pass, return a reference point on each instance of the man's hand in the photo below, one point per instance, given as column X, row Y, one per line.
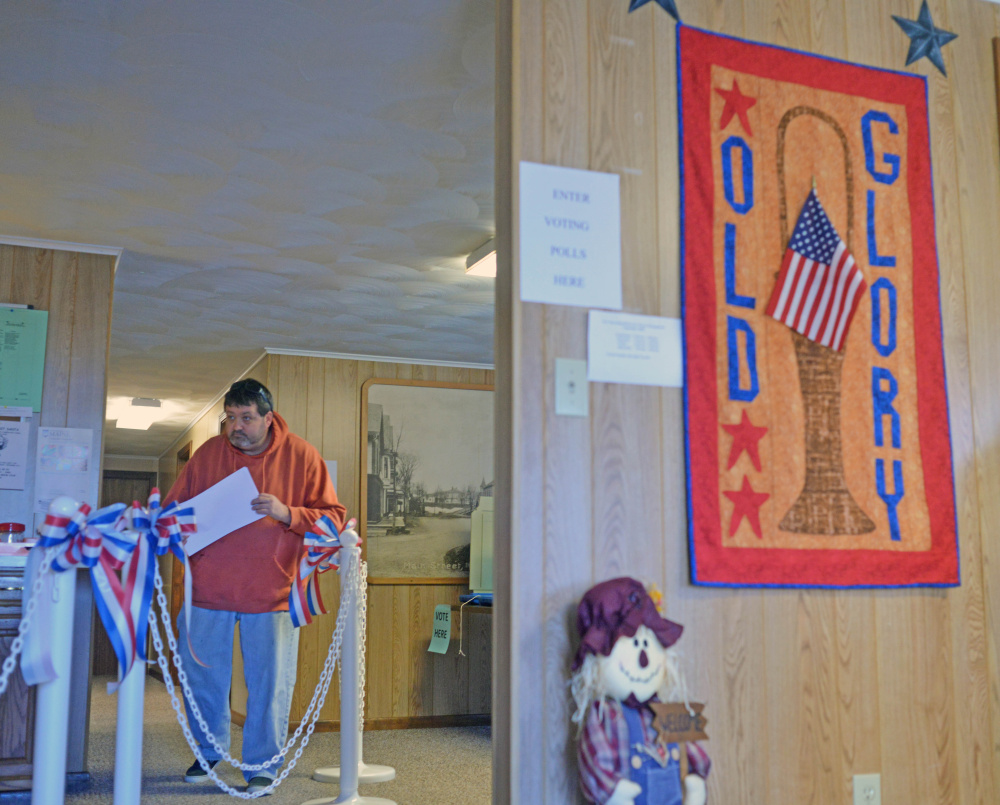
column 270, row 506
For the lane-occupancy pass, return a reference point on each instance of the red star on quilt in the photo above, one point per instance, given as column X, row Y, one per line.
column 746, row 436
column 736, row 104
column 746, row 503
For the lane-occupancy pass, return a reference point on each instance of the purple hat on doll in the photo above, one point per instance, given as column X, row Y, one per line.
column 616, row 608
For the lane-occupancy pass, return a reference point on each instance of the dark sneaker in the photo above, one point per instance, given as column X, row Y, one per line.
column 259, row 784
column 196, row 774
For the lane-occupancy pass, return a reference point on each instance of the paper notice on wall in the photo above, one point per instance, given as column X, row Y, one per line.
column 13, row 453
column 442, row 629
column 571, row 243
column 22, row 356
column 628, row 348
column 63, row 466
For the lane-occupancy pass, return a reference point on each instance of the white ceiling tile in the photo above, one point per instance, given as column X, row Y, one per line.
column 258, row 160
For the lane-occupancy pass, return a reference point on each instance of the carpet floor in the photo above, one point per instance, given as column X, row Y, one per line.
column 443, row 766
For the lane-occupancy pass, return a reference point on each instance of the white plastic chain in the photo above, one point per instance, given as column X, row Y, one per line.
column 10, row 663
column 349, row 577
column 363, row 593
column 363, row 636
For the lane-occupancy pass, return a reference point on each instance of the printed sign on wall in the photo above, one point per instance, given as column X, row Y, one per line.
column 571, row 242
column 818, row 442
column 22, row 356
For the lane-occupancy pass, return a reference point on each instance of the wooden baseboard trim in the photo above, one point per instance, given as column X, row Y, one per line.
column 402, row 723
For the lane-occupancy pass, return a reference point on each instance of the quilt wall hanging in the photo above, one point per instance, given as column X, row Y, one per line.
column 817, row 420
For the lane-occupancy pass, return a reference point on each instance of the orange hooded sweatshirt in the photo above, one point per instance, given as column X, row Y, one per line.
column 253, row 568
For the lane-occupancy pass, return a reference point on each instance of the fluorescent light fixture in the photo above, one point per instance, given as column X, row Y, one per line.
column 138, row 413
column 483, row 261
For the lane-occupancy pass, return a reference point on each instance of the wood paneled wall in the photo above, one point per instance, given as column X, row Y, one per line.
column 76, row 289
column 804, row 688
column 321, row 400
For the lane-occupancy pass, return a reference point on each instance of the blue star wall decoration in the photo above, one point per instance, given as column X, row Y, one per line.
column 667, row 5
column 925, row 39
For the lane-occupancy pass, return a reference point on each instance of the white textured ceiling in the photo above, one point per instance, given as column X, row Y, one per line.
column 294, row 175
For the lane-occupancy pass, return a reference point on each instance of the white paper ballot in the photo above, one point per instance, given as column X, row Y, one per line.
column 221, row 509
column 627, row 348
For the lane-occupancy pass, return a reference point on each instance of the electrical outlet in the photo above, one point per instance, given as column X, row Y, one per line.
column 867, row 789
column 572, row 390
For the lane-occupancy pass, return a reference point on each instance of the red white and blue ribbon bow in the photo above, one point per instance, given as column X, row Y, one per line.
column 101, row 542
column 161, row 530
column 322, row 553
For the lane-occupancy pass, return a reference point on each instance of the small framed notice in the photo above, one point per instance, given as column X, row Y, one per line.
column 571, row 242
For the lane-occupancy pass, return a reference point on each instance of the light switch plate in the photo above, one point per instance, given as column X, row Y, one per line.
column 867, row 789
column 572, row 391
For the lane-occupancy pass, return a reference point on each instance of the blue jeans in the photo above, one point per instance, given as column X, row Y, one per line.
column 269, row 645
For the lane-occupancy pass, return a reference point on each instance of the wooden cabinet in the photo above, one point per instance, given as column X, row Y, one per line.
column 17, row 704
column 462, row 684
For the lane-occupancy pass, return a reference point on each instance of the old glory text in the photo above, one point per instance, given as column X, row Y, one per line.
column 882, row 167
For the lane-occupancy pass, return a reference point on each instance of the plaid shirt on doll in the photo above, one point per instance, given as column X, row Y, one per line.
column 604, row 750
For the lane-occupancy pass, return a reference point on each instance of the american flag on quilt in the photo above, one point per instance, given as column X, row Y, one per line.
column 820, row 286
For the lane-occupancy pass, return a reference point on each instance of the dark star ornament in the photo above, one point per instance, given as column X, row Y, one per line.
column 667, row 5
column 925, row 39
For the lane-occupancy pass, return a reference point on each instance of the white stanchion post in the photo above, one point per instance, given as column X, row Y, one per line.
column 350, row 693
column 373, row 773
column 128, row 736
column 48, row 776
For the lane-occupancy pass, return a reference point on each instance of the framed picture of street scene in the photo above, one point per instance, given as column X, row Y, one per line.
column 426, row 464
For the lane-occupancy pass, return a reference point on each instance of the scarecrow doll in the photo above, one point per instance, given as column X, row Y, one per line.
column 623, row 668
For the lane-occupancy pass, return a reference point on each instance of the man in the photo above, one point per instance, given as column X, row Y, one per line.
column 246, row 576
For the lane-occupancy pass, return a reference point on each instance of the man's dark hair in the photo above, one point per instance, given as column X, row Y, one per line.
column 249, row 392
